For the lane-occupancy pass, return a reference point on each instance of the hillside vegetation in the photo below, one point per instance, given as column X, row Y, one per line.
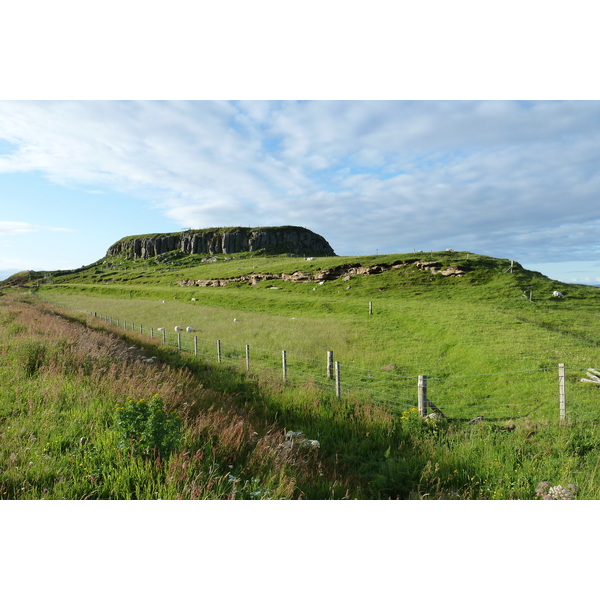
column 487, row 333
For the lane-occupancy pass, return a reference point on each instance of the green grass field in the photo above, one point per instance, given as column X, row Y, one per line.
column 486, row 349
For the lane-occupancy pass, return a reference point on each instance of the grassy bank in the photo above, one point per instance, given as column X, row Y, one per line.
column 64, row 383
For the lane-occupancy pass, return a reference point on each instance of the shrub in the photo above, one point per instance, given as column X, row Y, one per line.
column 146, row 428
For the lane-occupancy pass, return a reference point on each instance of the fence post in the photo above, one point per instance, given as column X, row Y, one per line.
column 338, row 385
column 178, row 341
column 284, row 364
column 329, row 364
column 140, row 329
column 247, row 357
column 562, row 396
column 219, row 351
column 151, row 332
column 195, row 345
column 370, row 308
column 164, row 336
column 422, row 395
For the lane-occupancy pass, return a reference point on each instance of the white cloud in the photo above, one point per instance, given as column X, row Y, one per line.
column 21, row 228
column 492, row 177
column 16, row 228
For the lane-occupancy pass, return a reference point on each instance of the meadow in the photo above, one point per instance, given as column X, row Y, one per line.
column 220, row 430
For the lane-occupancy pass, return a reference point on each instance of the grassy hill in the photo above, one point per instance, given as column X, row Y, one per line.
column 488, row 335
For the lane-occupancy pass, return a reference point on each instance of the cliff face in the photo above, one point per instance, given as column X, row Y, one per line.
column 277, row 240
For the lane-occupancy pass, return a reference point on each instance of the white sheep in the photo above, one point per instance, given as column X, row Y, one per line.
column 194, row 300
column 160, row 329
column 164, row 302
column 177, row 328
column 189, row 329
column 557, row 294
column 235, row 320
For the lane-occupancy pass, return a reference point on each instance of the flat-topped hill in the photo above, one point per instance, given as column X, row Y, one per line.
column 224, row 240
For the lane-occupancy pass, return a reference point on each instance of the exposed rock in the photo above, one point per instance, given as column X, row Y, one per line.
column 278, row 240
column 344, row 272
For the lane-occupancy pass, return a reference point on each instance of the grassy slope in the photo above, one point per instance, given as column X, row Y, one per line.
column 476, row 324
column 444, row 327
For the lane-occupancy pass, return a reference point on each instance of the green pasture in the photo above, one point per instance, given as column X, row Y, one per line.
column 484, row 346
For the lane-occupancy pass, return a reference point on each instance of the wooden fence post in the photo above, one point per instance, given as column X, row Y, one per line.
column 151, row 332
column 164, row 336
column 562, row 396
column 219, row 351
column 370, row 308
column 284, row 365
column 338, row 385
column 195, row 345
column 329, row 364
column 247, row 357
column 178, row 341
column 422, row 395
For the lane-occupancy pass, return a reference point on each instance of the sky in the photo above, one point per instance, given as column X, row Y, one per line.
column 385, row 126
column 511, row 179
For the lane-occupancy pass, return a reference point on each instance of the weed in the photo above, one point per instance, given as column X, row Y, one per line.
column 146, row 428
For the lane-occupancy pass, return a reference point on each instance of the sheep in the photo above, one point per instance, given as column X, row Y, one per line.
column 160, row 329
column 235, row 320
column 557, row 294
column 164, row 301
column 189, row 329
column 194, row 300
column 177, row 328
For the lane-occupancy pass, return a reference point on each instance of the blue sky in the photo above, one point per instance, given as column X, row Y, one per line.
column 509, row 179
column 435, row 170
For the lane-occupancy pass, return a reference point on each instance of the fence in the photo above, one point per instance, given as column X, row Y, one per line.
column 546, row 393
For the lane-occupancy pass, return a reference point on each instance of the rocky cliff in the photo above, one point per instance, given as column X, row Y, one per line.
column 229, row 240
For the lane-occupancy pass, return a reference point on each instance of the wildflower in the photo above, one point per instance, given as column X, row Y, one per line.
column 557, row 492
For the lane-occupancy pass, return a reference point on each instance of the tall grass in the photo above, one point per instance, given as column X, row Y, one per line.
column 479, row 359
column 62, row 382
column 61, row 385
column 485, row 348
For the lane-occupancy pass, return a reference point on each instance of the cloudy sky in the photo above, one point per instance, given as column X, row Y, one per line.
column 511, row 179
column 430, row 125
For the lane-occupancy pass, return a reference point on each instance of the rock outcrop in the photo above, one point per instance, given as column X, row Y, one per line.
column 345, row 272
column 229, row 240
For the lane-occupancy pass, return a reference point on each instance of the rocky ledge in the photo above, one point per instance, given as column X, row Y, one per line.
column 343, row 271
column 225, row 240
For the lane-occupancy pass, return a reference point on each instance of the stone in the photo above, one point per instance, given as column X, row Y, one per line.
column 276, row 240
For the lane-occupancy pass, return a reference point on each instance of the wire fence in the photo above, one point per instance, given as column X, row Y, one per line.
column 552, row 393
